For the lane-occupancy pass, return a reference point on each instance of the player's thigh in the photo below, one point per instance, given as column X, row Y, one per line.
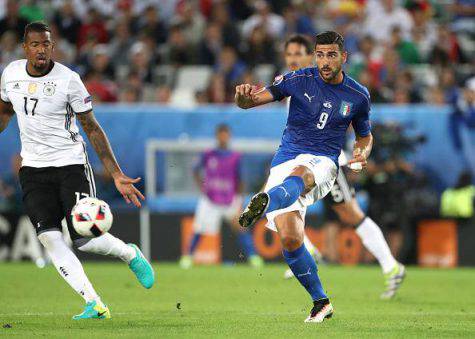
column 207, row 217
column 349, row 212
column 290, row 227
column 41, row 198
column 76, row 183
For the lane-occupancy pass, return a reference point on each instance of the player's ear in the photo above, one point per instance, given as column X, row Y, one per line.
column 344, row 55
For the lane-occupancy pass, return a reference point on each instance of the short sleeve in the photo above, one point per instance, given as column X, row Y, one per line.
column 3, row 89
column 78, row 96
column 285, row 85
column 360, row 121
column 199, row 163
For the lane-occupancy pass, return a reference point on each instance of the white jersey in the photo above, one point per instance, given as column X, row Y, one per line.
column 46, row 108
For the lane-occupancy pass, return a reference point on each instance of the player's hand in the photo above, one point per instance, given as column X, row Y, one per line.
column 246, row 95
column 125, row 186
column 359, row 162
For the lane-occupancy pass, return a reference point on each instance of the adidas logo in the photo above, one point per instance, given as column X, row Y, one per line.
column 17, row 86
column 63, row 271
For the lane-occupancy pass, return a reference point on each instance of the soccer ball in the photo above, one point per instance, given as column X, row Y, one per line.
column 91, row 217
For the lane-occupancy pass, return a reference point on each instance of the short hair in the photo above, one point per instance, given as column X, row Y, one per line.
column 301, row 40
column 330, row 38
column 223, row 128
column 36, row 26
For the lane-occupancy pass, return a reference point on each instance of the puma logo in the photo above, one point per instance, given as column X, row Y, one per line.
column 309, row 97
column 304, row 274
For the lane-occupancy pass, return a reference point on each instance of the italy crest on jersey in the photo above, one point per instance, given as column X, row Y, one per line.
column 345, row 108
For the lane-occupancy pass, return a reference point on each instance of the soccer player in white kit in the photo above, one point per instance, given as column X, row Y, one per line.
column 47, row 98
column 298, row 54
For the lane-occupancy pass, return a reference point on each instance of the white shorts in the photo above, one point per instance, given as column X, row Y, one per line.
column 324, row 170
column 209, row 216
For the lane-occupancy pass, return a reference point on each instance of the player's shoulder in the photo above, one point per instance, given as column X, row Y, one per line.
column 357, row 89
column 295, row 76
column 15, row 66
column 65, row 70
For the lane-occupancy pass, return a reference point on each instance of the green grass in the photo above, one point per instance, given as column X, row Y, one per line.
column 237, row 302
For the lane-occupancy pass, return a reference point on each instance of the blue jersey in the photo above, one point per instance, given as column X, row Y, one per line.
column 319, row 114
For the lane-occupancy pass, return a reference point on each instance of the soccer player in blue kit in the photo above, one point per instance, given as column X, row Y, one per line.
column 323, row 103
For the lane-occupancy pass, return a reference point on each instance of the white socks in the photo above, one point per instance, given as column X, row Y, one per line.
column 68, row 265
column 373, row 240
column 308, row 245
column 107, row 244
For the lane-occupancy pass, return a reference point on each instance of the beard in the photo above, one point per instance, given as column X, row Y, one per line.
column 333, row 74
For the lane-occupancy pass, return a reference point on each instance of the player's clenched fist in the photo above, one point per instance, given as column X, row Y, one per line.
column 245, row 96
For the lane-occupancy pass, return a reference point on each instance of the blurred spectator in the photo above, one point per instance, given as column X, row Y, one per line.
column 129, row 94
column 150, row 24
column 401, row 97
column 179, row 52
column 164, row 94
column 259, row 48
column 121, row 43
column 424, row 32
column 211, row 45
column 230, row 66
column 367, row 80
column 220, row 15
column 140, row 62
column 10, row 48
column 67, row 22
column 216, row 91
column 31, row 11
column 406, row 49
column 273, row 23
column 435, row 96
column 405, row 83
column 464, row 13
column 64, row 51
column 297, row 22
column 191, row 22
column 93, row 27
column 102, row 90
column 383, row 16
column 99, row 62
column 447, row 50
column 12, row 20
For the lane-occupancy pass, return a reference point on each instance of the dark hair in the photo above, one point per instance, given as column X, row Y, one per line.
column 222, row 128
column 36, row 26
column 329, row 38
column 301, row 40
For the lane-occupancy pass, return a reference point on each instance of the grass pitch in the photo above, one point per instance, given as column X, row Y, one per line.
column 236, row 302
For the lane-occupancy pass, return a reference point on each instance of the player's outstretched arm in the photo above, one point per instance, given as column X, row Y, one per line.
column 99, row 141
column 248, row 96
column 6, row 113
column 361, row 151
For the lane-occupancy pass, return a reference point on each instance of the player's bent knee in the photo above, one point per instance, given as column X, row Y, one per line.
column 49, row 238
column 291, row 242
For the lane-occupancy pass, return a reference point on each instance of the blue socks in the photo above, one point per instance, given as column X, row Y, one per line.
column 194, row 243
column 247, row 243
column 285, row 194
column 305, row 270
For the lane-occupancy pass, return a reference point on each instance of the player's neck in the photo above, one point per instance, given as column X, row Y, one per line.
column 34, row 72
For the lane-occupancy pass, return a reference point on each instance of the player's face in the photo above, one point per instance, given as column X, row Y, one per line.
column 223, row 137
column 296, row 57
column 329, row 61
column 38, row 48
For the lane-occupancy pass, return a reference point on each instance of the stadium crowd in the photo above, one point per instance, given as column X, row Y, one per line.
column 175, row 51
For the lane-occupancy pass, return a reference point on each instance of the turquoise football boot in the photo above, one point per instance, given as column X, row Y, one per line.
column 142, row 268
column 93, row 310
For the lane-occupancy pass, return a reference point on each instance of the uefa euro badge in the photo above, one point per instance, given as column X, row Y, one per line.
column 345, row 108
column 32, row 88
column 277, row 80
column 48, row 89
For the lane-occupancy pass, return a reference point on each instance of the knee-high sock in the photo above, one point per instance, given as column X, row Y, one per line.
column 285, row 194
column 305, row 270
column 194, row 242
column 67, row 264
column 107, row 244
column 373, row 240
column 247, row 243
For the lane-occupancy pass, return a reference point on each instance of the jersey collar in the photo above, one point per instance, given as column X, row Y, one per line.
column 39, row 76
